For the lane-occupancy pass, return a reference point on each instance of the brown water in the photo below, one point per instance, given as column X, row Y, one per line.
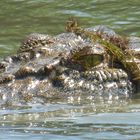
column 66, row 119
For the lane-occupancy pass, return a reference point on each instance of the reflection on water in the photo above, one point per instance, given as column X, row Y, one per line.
column 96, row 119
column 62, row 119
column 74, row 120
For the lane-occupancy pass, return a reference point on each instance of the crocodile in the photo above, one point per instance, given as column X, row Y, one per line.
column 66, row 65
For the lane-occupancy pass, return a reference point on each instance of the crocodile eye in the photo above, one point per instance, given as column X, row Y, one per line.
column 86, row 58
column 89, row 61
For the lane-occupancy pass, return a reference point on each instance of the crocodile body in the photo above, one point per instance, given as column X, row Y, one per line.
column 66, row 65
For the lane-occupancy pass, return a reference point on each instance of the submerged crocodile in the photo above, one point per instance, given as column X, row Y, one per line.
column 66, row 65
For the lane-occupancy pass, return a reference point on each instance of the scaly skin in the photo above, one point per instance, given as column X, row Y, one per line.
column 66, row 65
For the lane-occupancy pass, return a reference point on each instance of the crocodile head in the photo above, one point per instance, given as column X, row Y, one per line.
column 66, row 65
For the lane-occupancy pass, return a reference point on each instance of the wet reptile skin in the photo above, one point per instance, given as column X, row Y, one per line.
column 45, row 68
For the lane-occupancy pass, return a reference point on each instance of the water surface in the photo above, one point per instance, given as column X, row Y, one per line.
column 65, row 119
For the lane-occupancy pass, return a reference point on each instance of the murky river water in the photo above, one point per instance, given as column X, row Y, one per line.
column 65, row 119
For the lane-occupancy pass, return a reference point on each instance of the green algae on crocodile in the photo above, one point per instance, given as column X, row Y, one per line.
column 116, row 46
